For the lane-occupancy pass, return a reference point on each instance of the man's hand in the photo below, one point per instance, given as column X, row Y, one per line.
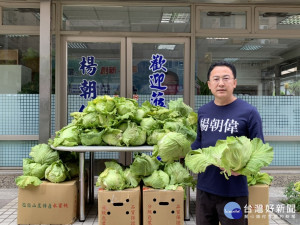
column 233, row 173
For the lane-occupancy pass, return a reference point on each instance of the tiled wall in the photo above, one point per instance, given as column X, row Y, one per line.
column 20, row 116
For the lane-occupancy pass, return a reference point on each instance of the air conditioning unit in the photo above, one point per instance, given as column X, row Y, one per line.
column 265, row 41
column 263, row 27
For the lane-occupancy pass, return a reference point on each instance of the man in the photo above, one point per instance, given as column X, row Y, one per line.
column 172, row 82
column 225, row 116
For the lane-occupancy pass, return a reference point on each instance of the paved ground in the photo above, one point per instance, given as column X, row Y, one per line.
column 9, row 201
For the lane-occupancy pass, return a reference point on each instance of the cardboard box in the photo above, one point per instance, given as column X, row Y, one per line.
column 119, row 207
column 163, row 206
column 258, row 201
column 48, row 203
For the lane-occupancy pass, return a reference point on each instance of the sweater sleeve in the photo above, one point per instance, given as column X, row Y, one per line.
column 255, row 128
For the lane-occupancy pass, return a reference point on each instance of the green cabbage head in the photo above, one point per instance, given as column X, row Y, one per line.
column 158, row 179
column 111, row 179
column 172, row 146
column 56, row 172
column 144, row 165
column 31, row 168
column 43, row 154
column 134, row 135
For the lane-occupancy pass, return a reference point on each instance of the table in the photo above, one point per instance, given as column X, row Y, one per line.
column 92, row 149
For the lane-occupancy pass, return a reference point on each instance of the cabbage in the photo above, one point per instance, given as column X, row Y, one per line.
column 43, row 154
column 56, row 172
column 131, row 179
column 113, row 165
column 115, row 178
column 179, row 175
column 90, row 120
column 259, row 178
column 123, row 126
column 91, row 107
column 106, row 120
column 111, row 179
column 262, row 155
column 149, row 124
column 155, row 136
column 238, row 154
column 31, row 168
column 144, row 165
column 162, row 113
column 23, row 181
column 172, row 146
column 126, row 106
column 134, row 135
column 77, row 117
column 67, row 136
column 112, row 137
column 179, row 106
column 192, row 119
column 104, row 104
column 158, row 179
column 140, row 114
column 199, row 159
column 180, row 128
column 91, row 137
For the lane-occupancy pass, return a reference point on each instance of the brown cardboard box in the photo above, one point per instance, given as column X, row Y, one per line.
column 48, row 203
column 119, row 207
column 258, row 201
column 163, row 206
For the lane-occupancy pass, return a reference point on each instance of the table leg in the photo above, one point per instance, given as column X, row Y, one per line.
column 187, row 204
column 81, row 187
column 91, row 186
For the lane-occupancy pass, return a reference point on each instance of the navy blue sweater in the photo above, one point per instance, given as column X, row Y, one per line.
column 238, row 118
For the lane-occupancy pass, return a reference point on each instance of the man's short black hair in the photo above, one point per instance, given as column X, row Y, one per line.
column 221, row 63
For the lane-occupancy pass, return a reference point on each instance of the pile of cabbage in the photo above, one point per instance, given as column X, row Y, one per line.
column 238, row 154
column 146, row 170
column 48, row 164
column 119, row 121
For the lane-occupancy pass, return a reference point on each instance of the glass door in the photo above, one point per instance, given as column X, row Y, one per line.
column 93, row 66
column 158, row 69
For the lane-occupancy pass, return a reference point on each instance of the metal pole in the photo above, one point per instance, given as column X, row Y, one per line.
column 187, row 200
column 81, row 187
column 91, row 186
column 45, row 72
column 187, row 204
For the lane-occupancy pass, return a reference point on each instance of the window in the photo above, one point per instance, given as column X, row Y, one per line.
column 126, row 18
column 227, row 19
column 277, row 19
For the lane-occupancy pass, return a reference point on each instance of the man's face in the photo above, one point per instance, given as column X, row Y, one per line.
column 222, row 83
column 172, row 84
